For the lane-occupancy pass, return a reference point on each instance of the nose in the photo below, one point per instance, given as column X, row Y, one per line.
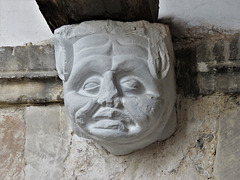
column 108, row 91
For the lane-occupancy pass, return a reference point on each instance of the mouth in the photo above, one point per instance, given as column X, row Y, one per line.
column 109, row 124
column 105, row 120
column 110, row 119
column 111, row 114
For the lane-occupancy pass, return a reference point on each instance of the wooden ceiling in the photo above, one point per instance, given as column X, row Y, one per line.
column 61, row 12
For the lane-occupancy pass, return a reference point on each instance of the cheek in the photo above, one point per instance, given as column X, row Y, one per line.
column 74, row 102
column 142, row 107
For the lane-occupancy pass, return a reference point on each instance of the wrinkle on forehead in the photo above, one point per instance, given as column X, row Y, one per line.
column 111, row 45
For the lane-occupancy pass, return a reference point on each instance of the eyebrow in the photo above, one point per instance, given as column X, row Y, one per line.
column 123, row 64
column 88, row 65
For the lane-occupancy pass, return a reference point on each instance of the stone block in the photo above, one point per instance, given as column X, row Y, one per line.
column 47, row 142
column 224, row 82
column 27, row 58
column 12, row 140
column 27, row 62
column 234, row 48
column 227, row 163
column 208, row 65
column 204, row 51
column 30, row 91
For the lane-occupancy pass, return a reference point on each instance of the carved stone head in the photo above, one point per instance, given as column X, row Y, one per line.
column 118, row 80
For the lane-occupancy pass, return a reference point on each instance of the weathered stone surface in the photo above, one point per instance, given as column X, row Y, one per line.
column 30, row 91
column 28, row 75
column 208, row 64
column 47, row 140
column 62, row 12
column 188, row 154
column 12, row 139
column 227, row 163
column 133, row 79
column 21, row 61
column 218, row 65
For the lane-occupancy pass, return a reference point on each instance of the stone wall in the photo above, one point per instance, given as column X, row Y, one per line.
column 38, row 143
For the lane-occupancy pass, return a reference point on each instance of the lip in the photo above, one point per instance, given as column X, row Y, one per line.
column 109, row 113
column 109, row 124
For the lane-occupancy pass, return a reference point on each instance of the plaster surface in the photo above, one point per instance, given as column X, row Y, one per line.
column 47, row 140
column 118, row 79
column 208, row 13
column 21, row 22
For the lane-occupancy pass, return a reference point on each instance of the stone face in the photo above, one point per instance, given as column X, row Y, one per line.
column 12, row 139
column 188, row 154
column 47, row 140
column 119, row 84
column 227, row 163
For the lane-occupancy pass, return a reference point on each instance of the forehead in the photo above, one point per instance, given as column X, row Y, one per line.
column 125, row 55
column 108, row 44
column 99, row 40
column 109, row 51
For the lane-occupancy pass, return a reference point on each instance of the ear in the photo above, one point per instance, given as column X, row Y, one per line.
column 63, row 57
column 159, row 62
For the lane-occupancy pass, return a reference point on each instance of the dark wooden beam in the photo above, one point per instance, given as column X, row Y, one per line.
column 61, row 12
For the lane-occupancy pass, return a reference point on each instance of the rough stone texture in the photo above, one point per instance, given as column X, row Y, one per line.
column 12, row 139
column 47, row 140
column 188, row 154
column 26, row 61
column 208, row 64
column 30, row 91
column 63, row 12
column 28, row 75
column 227, row 164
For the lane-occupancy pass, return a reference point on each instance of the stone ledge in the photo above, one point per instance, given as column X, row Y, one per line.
column 14, row 91
column 29, row 75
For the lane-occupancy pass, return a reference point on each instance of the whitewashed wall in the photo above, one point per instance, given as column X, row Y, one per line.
column 21, row 22
column 209, row 13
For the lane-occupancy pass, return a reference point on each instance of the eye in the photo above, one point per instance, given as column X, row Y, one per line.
column 90, row 86
column 131, row 86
